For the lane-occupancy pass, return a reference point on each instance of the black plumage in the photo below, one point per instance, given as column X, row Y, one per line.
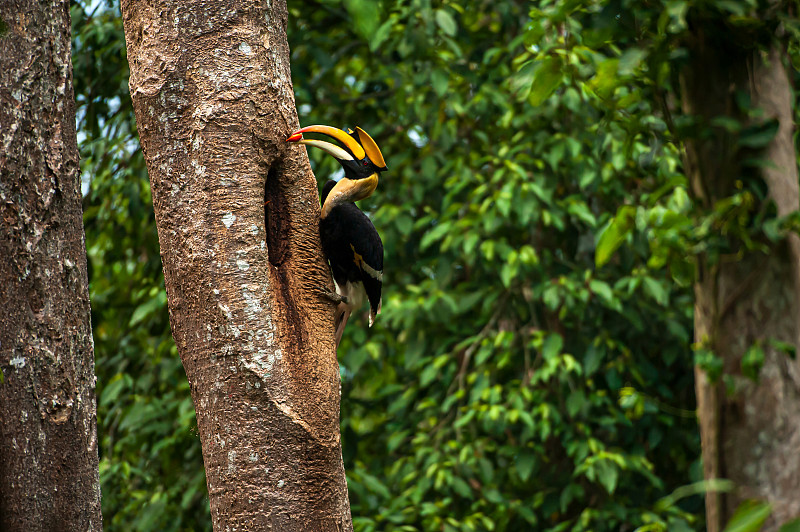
column 349, row 240
column 355, row 252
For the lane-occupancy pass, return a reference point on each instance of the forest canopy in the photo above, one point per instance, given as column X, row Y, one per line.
column 532, row 365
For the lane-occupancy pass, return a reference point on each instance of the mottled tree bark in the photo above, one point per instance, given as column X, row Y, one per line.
column 751, row 435
column 214, row 104
column 48, row 425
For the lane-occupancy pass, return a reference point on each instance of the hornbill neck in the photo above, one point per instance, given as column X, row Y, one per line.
column 347, row 191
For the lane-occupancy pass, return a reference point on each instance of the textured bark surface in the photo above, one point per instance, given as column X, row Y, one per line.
column 213, row 98
column 48, row 426
column 752, row 435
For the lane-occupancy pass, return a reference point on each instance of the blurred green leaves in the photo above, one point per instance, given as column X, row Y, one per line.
column 485, row 397
column 749, row 517
column 365, row 15
column 546, row 78
column 446, row 22
column 537, row 79
column 531, row 368
column 614, row 234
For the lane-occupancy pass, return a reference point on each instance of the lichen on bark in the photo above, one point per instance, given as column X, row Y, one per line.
column 48, row 429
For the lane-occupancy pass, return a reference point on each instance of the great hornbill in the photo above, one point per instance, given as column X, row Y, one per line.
column 349, row 240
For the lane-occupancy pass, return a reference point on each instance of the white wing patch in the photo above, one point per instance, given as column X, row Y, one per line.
column 361, row 263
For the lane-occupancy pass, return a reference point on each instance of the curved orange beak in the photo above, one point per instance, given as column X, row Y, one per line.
column 348, row 141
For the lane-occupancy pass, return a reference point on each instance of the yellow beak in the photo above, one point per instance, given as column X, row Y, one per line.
column 348, row 141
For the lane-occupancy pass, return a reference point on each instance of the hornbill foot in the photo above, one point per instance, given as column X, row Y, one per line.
column 334, row 297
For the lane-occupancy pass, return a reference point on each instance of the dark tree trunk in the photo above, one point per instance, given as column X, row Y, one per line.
column 48, row 425
column 214, row 103
column 750, row 434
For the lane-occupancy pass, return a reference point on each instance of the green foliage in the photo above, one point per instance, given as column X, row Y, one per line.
column 749, row 517
column 752, row 361
column 612, row 237
column 488, row 395
column 531, row 368
column 791, row 526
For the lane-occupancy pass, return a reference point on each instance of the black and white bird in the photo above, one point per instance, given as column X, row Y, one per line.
column 350, row 242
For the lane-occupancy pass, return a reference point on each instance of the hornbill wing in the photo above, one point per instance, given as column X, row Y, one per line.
column 367, row 251
column 355, row 251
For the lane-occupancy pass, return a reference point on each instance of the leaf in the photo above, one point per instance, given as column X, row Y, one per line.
column 381, row 34
column 510, row 269
column 630, row 60
column 602, row 289
column 404, row 224
column 114, row 388
column 546, row 79
column 575, row 402
column 463, row 420
column 581, row 211
column 525, row 463
column 758, row 136
column 696, row 488
column 461, row 487
column 365, row 15
column 728, row 123
column 527, row 256
column 737, row 8
column 145, row 309
column 446, row 21
column 552, row 346
column 439, row 82
column 752, row 362
column 607, row 475
column 494, row 496
column 570, row 493
column 614, row 234
column 521, row 81
column 790, row 526
column 428, row 374
column 784, row 347
column 592, row 359
column 656, row 290
column 708, row 362
column 606, row 80
column 437, row 233
column 749, row 516
column 534, row 32
column 374, row 485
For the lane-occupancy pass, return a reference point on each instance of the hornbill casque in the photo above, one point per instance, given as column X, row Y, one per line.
column 349, row 240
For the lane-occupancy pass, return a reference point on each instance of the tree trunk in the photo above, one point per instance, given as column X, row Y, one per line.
column 213, row 97
column 48, row 425
column 751, row 433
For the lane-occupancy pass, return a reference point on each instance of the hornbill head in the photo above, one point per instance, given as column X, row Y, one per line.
column 360, row 157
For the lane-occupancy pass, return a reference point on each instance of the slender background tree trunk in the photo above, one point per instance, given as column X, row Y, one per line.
column 214, row 104
column 48, row 426
column 749, row 434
